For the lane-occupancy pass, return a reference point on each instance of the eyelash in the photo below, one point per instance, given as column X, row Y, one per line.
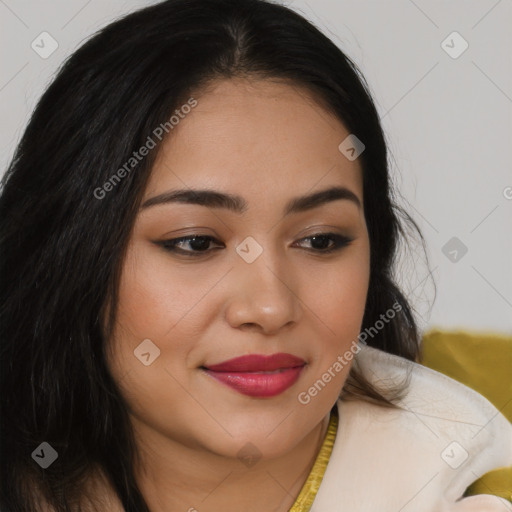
column 170, row 245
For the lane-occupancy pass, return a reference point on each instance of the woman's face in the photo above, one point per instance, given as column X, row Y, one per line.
column 255, row 282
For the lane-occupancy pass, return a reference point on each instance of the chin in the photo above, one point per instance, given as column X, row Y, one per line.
column 263, row 436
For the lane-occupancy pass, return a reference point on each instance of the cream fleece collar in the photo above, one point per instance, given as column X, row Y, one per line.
column 421, row 458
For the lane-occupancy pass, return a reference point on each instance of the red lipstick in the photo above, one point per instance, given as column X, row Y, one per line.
column 258, row 375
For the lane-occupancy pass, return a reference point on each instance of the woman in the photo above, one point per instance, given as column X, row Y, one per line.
column 199, row 236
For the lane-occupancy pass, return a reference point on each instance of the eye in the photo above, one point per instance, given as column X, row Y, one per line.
column 321, row 241
column 198, row 245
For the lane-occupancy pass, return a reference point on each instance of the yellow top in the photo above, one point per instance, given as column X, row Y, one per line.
column 310, row 488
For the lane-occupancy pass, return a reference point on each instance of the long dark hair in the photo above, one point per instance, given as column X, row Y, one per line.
column 63, row 247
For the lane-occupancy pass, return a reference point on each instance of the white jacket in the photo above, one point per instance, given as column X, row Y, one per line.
column 420, row 459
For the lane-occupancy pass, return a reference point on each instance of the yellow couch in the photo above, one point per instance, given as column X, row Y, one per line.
column 482, row 361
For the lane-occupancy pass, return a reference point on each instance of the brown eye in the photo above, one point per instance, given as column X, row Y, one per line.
column 326, row 243
column 197, row 244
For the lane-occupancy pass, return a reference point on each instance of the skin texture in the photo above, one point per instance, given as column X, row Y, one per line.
column 267, row 142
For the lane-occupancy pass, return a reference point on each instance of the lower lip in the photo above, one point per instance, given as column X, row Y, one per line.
column 261, row 385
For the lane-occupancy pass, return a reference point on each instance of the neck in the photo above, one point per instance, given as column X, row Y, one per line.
column 173, row 476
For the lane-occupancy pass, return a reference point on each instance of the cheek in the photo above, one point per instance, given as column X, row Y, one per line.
column 157, row 297
column 148, row 308
column 336, row 296
column 155, row 303
column 338, row 304
column 345, row 298
column 167, row 303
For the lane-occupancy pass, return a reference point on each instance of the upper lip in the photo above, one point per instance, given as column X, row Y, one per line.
column 258, row 363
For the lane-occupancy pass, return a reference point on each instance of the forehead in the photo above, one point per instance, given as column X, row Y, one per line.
column 261, row 138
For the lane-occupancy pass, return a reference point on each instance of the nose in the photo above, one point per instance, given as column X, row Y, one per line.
column 262, row 297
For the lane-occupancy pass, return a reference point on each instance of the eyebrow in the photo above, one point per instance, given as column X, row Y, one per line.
column 237, row 204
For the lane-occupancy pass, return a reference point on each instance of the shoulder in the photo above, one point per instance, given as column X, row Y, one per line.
column 420, row 457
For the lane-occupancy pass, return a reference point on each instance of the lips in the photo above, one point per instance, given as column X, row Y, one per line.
column 258, row 375
column 258, row 363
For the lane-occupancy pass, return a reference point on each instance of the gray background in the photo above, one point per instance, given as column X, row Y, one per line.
column 447, row 120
